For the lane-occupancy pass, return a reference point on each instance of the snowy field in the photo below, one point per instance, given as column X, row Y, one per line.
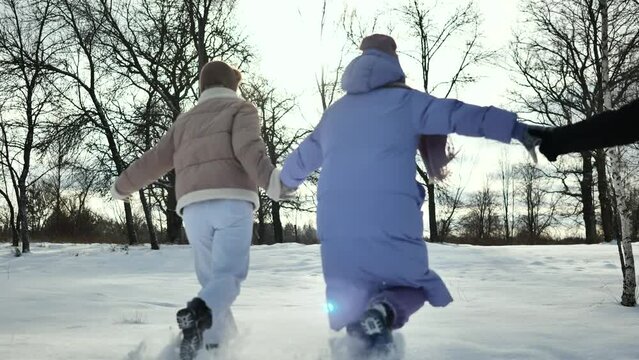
column 84, row 302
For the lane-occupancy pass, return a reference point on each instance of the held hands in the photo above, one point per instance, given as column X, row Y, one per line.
column 532, row 137
column 544, row 134
column 277, row 190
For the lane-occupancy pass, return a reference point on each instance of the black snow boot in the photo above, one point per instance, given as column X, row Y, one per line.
column 193, row 320
column 374, row 330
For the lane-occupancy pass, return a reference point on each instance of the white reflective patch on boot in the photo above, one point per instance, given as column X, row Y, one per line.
column 372, row 326
column 185, row 321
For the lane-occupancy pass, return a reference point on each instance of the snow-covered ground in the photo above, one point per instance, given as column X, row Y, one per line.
column 84, row 302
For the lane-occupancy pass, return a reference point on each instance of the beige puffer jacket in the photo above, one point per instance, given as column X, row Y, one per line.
column 216, row 151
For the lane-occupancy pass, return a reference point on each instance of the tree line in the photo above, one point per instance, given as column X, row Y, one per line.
column 89, row 85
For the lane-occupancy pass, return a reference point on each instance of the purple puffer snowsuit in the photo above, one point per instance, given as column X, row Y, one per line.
column 369, row 217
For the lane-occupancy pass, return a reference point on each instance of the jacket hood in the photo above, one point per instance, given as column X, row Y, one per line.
column 371, row 70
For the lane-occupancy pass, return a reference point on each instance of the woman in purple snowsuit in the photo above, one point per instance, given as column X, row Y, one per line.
column 369, row 218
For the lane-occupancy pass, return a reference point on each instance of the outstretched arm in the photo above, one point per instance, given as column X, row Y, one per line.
column 435, row 116
column 149, row 167
column 303, row 161
column 609, row 128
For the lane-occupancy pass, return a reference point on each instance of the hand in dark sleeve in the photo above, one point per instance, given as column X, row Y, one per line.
column 609, row 128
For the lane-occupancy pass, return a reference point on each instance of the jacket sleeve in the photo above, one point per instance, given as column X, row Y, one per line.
column 434, row 116
column 149, row 167
column 303, row 161
column 609, row 128
column 249, row 148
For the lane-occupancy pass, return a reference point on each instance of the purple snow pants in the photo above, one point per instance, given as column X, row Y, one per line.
column 403, row 301
column 347, row 303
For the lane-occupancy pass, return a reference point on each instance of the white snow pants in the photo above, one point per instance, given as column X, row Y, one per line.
column 219, row 232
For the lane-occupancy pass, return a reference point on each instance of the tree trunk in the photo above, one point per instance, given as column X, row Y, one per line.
column 173, row 221
column 18, row 225
column 149, row 221
column 23, row 195
column 130, row 226
column 586, row 184
column 119, row 167
column 628, row 265
column 506, row 222
column 432, row 214
column 278, row 232
column 24, row 218
column 261, row 226
column 607, row 219
column 15, row 237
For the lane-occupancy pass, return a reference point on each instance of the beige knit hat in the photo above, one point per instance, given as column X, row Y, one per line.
column 218, row 73
column 379, row 42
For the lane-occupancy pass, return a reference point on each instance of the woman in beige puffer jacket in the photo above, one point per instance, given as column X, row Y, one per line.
column 220, row 160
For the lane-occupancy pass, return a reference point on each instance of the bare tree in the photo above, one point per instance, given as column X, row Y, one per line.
column 199, row 12
column 327, row 87
column 450, row 201
column 356, row 28
column 272, row 109
column 50, row 187
column 25, row 34
column 433, row 37
column 481, row 221
column 328, row 80
column 140, row 124
column 76, row 176
column 507, row 180
column 146, row 207
column 163, row 44
column 77, row 31
column 538, row 200
column 84, row 179
column 560, row 60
